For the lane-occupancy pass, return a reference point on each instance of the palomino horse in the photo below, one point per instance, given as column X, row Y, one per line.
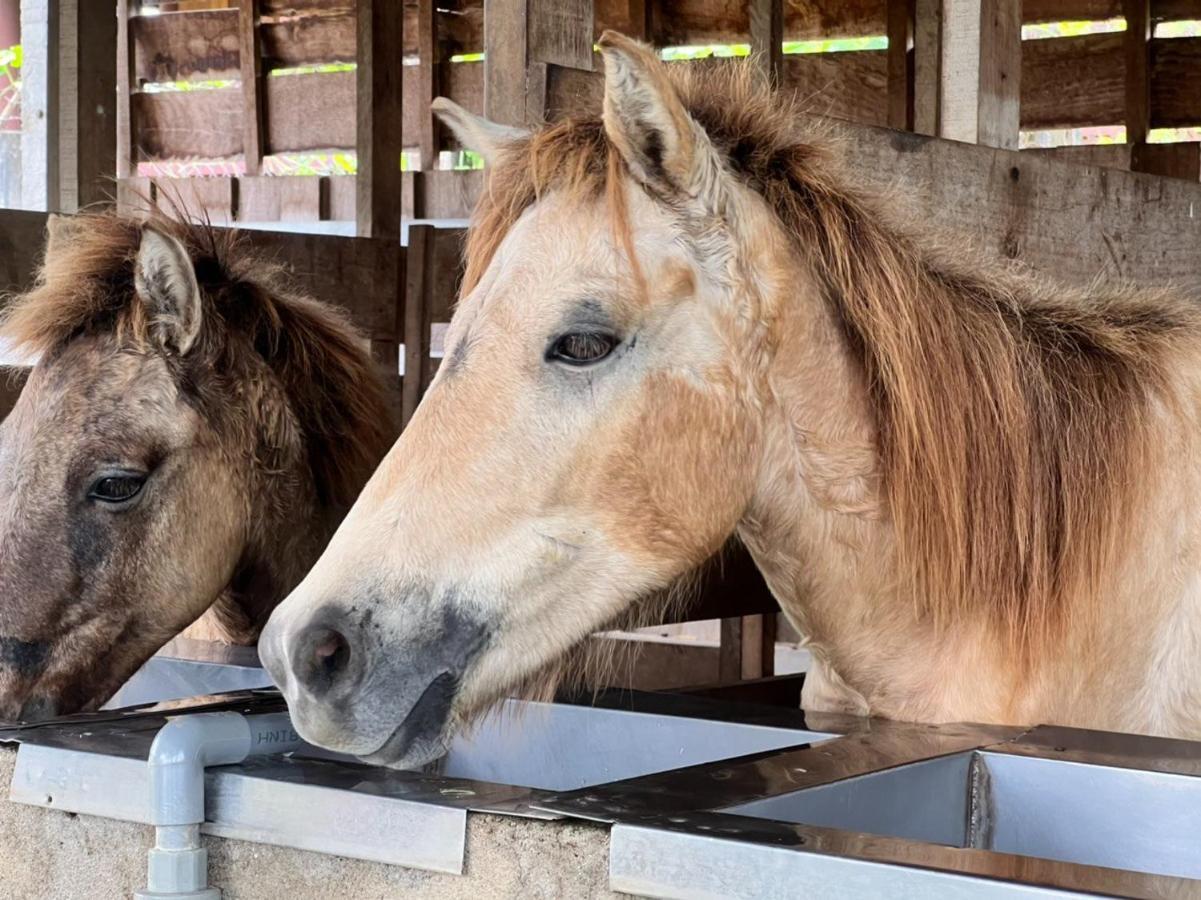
column 188, row 441
column 972, row 490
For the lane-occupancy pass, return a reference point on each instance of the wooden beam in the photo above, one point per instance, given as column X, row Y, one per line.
column 927, row 67
column 418, row 289
column 560, row 33
column 767, row 36
column 87, row 93
column 981, row 74
column 901, row 84
column 250, row 58
column 378, row 117
column 126, row 162
column 505, row 60
column 425, row 74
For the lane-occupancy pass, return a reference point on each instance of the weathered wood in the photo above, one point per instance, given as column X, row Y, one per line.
column 340, row 197
column 632, row 17
column 461, row 82
column 730, row 658
column 505, row 60
column 12, row 379
column 87, row 92
column 927, row 66
column 1064, row 10
column 767, row 35
column 378, row 118
column 426, row 86
column 901, row 85
column 212, row 199
column 22, row 243
column 1079, row 82
column 560, row 32
column 1073, row 222
column 135, row 195
column 264, row 198
column 1110, row 156
column 307, row 112
column 252, row 86
column 1181, row 160
column 443, row 194
column 851, row 86
column 418, row 291
column 981, row 77
column 126, row 140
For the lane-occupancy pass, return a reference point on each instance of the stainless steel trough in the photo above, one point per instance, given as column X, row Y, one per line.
column 704, row 799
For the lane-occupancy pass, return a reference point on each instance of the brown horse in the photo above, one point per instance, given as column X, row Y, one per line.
column 191, row 436
column 972, row 490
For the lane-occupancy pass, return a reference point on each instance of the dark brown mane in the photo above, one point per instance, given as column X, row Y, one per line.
column 1013, row 415
column 86, row 286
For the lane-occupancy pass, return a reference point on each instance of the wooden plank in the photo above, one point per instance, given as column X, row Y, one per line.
column 186, row 46
column 1075, row 223
column 1110, row 156
column 505, row 58
column 1169, row 160
column 12, row 379
column 901, row 26
column 361, row 275
column 444, row 194
column 340, row 190
column 426, row 85
column 197, row 199
column 632, row 17
column 1073, row 82
column 851, row 86
column 22, row 244
column 730, row 662
column 1091, row 10
column 126, row 141
column 927, row 66
column 982, row 71
column 250, row 57
column 264, row 198
column 1137, row 42
column 289, row 41
column 1079, row 82
column 418, row 292
column 87, row 90
column 767, row 36
column 308, row 112
column 560, row 33
column 135, row 195
column 378, row 117
column 461, row 82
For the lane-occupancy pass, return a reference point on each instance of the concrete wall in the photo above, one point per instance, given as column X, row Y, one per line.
column 50, row 855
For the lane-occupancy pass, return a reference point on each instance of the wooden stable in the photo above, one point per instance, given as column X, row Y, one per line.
column 936, row 116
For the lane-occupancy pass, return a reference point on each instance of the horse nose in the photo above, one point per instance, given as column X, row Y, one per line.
column 325, row 660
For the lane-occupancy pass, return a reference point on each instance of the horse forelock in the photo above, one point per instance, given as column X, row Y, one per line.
column 86, row 286
column 1013, row 416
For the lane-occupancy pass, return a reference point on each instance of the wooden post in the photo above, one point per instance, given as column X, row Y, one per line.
column 927, row 66
column 981, row 57
column 126, row 147
column 85, row 147
column 378, row 118
column 426, row 73
column 1175, row 160
column 901, row 15
column 418, row 286
column 767, row 35
column 505, row 57
column 251, row 61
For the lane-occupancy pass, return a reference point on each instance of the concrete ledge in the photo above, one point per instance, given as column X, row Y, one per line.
column 48, row 854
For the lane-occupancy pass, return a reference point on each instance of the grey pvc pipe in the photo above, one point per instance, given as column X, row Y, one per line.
column 182, row 749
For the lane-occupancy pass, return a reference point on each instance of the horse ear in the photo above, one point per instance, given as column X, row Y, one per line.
column 476, row 133
column 646, row 121
column 165, row 281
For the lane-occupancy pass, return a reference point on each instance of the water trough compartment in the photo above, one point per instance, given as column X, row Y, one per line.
column 1058, row 809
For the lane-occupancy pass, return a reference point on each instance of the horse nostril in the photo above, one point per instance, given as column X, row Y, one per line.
column 324, row 658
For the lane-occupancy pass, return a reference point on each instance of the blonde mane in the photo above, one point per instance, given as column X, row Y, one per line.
column 1014, row 416
column 85, row 286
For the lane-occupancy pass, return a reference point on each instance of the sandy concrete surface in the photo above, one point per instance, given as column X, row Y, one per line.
column 48, row 854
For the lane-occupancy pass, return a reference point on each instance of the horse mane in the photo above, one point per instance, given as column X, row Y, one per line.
column 85, row 286
column 1013, row 415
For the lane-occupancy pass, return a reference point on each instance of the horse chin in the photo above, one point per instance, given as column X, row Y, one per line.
column 424, row 734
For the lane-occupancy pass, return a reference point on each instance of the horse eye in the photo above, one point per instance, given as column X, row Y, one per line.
column 579, row 348
column 116, row 489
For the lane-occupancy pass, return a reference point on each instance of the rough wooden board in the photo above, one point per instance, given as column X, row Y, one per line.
column 505, row 60
column 1079, row 81
column 1000, row 72
column 135, row 195
column 766, row 37
column 11, row 382
column 126, row 140
column 340, row 190
column 211, row 199
column 186, row 46
column 1064, row 10
column 1171, row 160
column 443, row 194
column 1110, row 156
column 377, row 118
column 87, row 87
column 264, row 198
column 851, row 86
column 253, row 113
column 1072, row 222
column 360, row 275
column 560, row 32
column 22, row 243
column 304, row 112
